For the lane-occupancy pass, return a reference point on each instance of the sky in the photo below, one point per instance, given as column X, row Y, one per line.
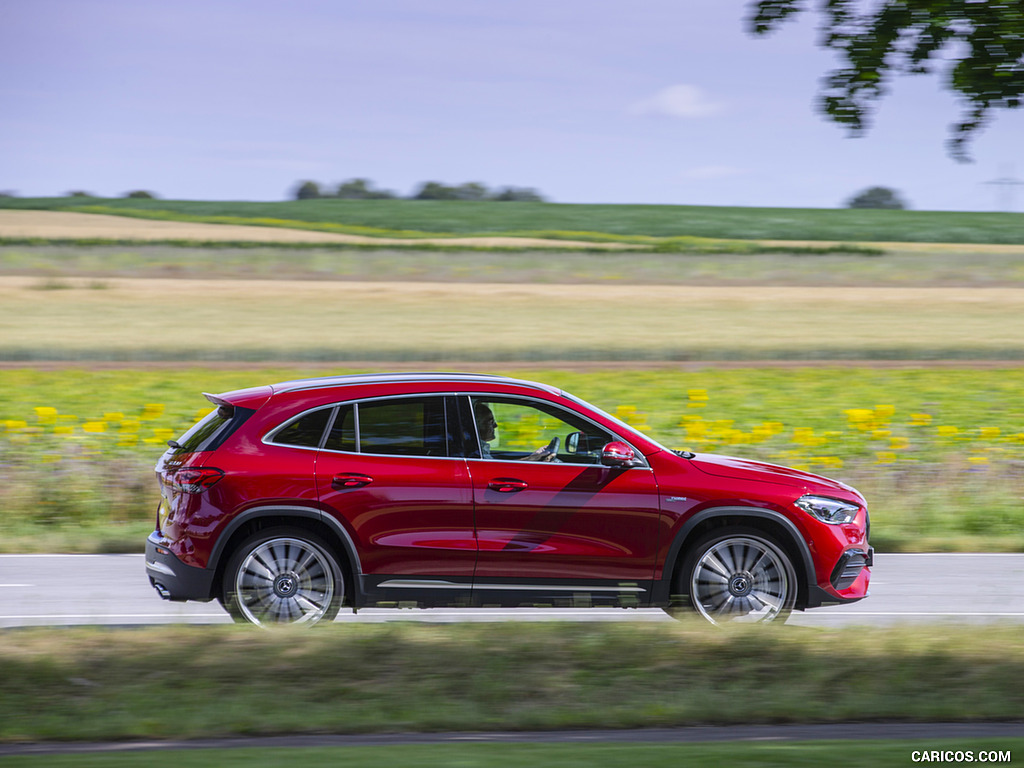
column 586, row 101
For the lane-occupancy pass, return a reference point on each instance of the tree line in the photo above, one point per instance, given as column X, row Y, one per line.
column 364, row 189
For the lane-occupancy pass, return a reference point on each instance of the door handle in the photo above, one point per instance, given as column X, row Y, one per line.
column 338, row 482
column 507, row 485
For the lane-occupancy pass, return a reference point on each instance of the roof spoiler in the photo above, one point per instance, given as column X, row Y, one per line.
column 218, row 400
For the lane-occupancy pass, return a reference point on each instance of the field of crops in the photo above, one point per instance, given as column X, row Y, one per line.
column 418, row 218
column 938, row 452
column 214, row 320
column 958, row 266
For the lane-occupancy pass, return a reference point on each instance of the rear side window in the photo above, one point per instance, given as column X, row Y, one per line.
column 306, row 431
column 408, row 426
column 210, row 432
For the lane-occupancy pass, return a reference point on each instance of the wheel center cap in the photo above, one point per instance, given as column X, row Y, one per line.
column 286, row 585
column 741, row 584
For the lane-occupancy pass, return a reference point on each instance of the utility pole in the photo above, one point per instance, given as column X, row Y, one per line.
column 1005, row 187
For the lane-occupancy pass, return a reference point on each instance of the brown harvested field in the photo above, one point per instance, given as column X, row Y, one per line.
column 231, row 319
column 74, row 226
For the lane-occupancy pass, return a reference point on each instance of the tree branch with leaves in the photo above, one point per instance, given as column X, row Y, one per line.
column 975, row 46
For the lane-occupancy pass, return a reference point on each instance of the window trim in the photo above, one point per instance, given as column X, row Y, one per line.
column 453, row 418
column 498, row 396
column 268, row 439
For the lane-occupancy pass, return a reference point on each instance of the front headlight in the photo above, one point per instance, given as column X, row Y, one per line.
column 831, row 511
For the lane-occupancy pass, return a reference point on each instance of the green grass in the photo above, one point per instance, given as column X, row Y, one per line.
column 936, row 451
column 875, row 754
column 465, row 218
column 182, row 682
column 903, row 268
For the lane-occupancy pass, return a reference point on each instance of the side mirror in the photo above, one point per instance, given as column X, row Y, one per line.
column 572, row 442
column 618, row 454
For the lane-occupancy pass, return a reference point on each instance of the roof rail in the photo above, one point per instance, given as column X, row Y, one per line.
column 354, row 379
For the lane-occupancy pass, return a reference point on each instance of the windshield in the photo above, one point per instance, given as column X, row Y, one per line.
column 624, row 426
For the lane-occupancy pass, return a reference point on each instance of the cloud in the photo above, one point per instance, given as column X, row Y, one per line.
column 681, row 101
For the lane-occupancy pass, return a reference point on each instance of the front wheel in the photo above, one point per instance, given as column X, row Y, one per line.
column 283, row 576
column 739, row 575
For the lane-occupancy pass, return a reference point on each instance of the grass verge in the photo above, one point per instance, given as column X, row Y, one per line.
column 177, row 682
column 877, row 754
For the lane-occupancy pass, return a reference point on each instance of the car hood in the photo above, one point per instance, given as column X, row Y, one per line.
column 745, row 469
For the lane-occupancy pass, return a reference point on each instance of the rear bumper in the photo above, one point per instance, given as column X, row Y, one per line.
column 171, row 578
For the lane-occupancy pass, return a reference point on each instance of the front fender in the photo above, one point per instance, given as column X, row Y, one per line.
column 780, row 524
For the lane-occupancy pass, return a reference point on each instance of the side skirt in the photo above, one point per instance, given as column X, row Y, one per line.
column 440, row 592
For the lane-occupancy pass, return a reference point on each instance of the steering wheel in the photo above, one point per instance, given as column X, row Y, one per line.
column 550, row 451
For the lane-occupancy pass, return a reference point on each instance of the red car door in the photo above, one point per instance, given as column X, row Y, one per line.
column 387, row 471
column 565, row 519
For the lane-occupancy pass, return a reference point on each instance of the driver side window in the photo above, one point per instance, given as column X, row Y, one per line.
column 510, row 429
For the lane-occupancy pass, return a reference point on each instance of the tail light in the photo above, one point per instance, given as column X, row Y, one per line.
column 196, row 479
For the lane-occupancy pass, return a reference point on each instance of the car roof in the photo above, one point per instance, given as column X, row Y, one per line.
column 431, row 377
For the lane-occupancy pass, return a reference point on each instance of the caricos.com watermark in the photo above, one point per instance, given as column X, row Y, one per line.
column 961, row 756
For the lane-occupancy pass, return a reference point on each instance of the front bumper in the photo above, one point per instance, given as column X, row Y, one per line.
column 849, row 580
column 171, row 578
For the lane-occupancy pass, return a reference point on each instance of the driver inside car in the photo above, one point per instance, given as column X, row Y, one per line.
column 487, row 427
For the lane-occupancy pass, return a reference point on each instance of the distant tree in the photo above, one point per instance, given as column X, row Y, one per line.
column 877, row 197
column 518, row 195
column 362, row 189
column 433, row 190
column 308, row 190
column 141, row 194
column 471, row 190
column 79, row 193
column 6, row 194
column 977, row 46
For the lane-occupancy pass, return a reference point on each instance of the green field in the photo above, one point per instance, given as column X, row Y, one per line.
column 200, row 682
column 415, row 217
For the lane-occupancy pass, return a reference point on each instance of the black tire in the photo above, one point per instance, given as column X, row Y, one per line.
column 739, row 575
column 283, row 576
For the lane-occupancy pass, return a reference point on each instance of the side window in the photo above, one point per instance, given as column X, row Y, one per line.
column 343, row 431
column 407, row 426
column 511, row 429
column 306, row 431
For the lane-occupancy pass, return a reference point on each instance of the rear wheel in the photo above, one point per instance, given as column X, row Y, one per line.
column 739, row 575
column 283, row 576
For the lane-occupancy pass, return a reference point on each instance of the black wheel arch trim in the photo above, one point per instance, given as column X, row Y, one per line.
column 663, row 587
column 281, row 513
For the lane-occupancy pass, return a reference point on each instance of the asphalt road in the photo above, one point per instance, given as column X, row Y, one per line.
column 63, row 590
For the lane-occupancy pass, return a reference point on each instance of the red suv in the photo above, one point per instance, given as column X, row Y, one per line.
column 290, row 500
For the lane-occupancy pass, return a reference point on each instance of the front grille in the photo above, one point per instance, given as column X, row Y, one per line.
column 848, row 568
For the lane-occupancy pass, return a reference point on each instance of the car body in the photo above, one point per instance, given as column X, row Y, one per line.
column 289, row 500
